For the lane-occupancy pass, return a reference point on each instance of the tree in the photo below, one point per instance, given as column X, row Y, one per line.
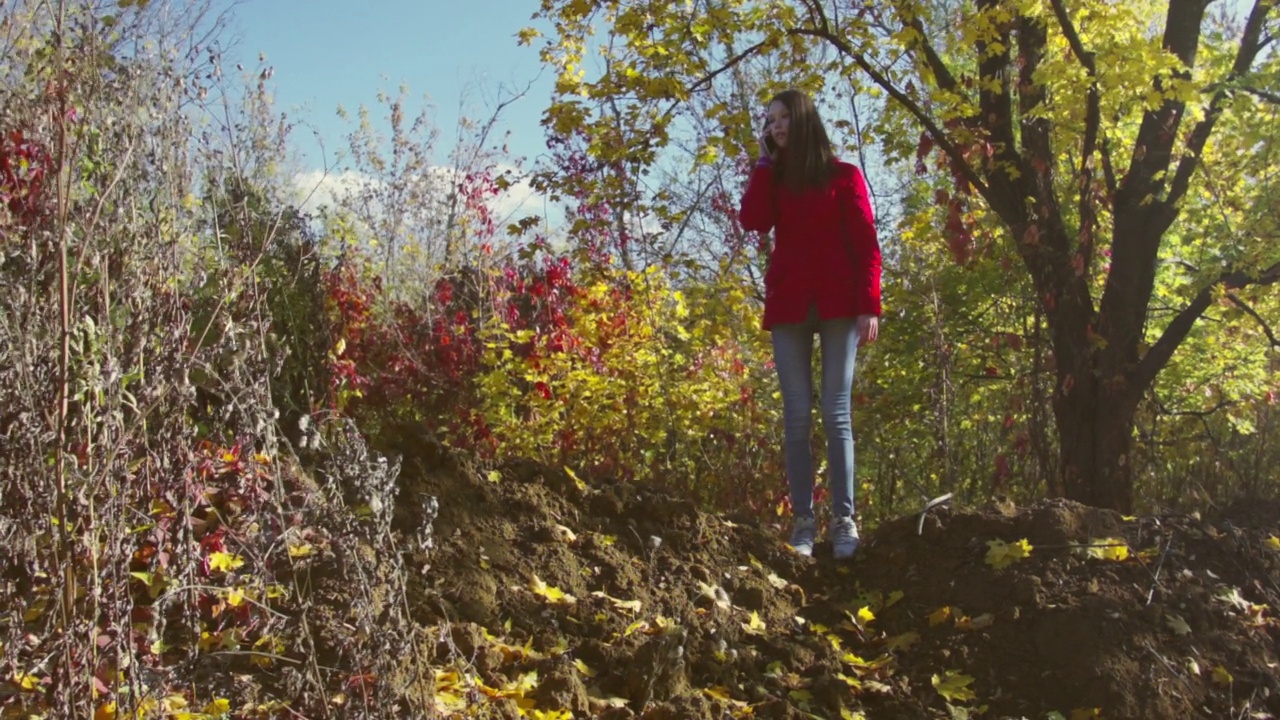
column 1118, row 145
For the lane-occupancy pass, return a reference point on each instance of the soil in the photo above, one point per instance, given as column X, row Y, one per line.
column 676, row 613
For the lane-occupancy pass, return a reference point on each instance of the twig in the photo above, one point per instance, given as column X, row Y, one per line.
column 257, row 653
column 1172, row 670
column 1155, row 577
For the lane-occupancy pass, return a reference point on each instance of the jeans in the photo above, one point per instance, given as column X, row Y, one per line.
column 793, row 353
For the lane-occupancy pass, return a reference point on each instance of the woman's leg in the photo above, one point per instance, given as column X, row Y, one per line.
column 839, row 354
column 793, row 357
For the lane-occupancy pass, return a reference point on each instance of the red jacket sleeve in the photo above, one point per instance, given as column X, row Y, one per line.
column 758, row 212
column 866, row 246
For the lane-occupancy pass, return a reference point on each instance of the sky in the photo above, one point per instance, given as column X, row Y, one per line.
column 327, row 53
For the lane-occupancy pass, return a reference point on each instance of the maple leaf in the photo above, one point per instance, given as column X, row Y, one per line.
column 1233, row 598
column 300, row 550
column 553, row 595
column 1273, row 542
column 628, row 605
column 1222, row 677
column 903, row 641
column 939, row 616
column 953, row 686
column 1001, row 554
column 1177, row 624
column 583, row 668
column 978, row 623
column 224, row 562
column 754, row 626
column 1115, row 549
column 715, row 594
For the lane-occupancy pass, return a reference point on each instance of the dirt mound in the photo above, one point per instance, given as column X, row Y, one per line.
column 553, row 596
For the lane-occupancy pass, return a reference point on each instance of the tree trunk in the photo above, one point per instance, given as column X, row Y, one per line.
column 1096, row 427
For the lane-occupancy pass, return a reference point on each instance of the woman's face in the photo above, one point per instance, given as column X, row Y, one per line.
column 779, row 122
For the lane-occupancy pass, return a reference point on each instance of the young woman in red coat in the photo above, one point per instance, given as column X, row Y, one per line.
column 823, row 278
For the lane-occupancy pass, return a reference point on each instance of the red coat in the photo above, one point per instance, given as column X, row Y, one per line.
column 825, row 250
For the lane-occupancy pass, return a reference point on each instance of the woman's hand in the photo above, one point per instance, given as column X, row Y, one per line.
column 868, row 329
column 763, row 140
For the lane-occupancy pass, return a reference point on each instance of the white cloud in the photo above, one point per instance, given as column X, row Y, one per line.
column 315, row 189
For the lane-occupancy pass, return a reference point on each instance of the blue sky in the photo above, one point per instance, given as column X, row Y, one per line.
column 327, row 53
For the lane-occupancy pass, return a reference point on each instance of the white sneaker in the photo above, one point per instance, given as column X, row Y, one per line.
column 803, row 533
column 844, row 538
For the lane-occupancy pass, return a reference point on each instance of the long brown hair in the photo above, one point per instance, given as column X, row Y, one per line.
column 808, row 160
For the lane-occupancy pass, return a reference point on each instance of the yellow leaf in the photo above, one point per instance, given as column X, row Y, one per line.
column 719, row 693
column 220, row 706
column 953, row 686
column 105, row 712
column 574, row 477
column 978, row 623
column 1086, row 713
column 637, row 625
column 628, row 605
column 893, row 598
column 235, row 597
column 1115, row 549
column 224, row 562
column 1273, row 542
column 939, row 616
column 754, row 626
column 25, row 681
column 865, row 615
column 847, row 714
column 903, row 641
column 553, row 595
column 300, row 550
column 1001, row 554
column 1221, row 676
column 494, row 476
column 583, row 668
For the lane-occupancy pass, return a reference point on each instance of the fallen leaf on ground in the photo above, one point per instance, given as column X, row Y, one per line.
column 939, row 616
column 754, row 625
column 978, row 623
column 1177, row 624
column 1001, row 554
column 553, row 595
column 628, row 605
column 1115, row 549
column 902, row 642
column 954, row 686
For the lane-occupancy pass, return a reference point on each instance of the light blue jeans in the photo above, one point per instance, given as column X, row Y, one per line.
column 793, row 356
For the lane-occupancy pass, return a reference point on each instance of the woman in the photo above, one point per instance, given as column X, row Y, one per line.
column 824, row 278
